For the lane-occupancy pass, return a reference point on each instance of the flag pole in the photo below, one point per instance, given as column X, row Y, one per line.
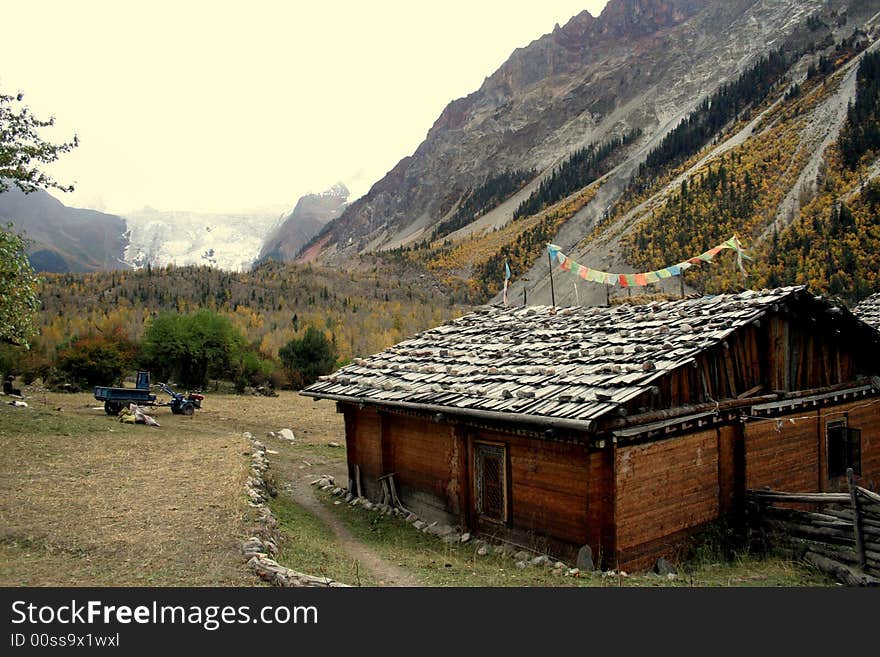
column 552, row 291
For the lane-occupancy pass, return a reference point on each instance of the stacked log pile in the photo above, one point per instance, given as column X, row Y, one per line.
column 839, row 534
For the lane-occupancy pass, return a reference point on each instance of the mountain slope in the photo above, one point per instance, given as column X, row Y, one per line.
column 309, row 216
column 64, row 239
column 640, row 64
column 640, row 68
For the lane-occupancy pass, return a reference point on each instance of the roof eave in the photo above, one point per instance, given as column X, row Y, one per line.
column 539, row 421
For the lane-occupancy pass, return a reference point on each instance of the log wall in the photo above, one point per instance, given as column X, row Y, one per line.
column 548, row 488
column 663, row 489
column 790, row 452
column 863, row 415
column 781, row 455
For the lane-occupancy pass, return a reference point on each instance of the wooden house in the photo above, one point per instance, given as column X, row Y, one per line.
column 624, row 428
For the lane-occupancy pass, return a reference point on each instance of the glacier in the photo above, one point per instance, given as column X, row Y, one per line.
column 226, row 241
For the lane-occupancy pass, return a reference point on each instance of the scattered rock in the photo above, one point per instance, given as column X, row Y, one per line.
column 522, row 565
column 418, row 524
column 465, row 537
column 333, row 444
column 271, row 434
column 286, row 434
column 522, row 555
column 585, row 559
column 483, row 550
column 664, row 568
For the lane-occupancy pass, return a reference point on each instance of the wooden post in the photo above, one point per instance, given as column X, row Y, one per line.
column 524, row 294
column 857, row 519
column 681, row 283
column 607, row 295
column 552, row 291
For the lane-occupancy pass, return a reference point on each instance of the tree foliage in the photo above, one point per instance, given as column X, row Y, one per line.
column 713, row 113
column 189, row 349
column 309, row 357
column 97, row 358
column 861, row 133
column 23, row 151
column 18, row 290
column 480, row 200
column 577, row 171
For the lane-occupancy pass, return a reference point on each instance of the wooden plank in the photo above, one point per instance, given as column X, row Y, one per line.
column 857, row 521
column 798, row 498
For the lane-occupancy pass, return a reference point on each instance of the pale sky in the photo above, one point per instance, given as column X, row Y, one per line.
column 233, row 107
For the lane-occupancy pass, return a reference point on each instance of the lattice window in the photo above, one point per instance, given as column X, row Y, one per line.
column 490, row 473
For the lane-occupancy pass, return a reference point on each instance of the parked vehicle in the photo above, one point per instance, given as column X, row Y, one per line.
column 115, row 399
column 182, row 404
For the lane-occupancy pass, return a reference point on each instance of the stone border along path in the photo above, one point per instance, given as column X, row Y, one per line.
column 258, row 548
column 523, row 558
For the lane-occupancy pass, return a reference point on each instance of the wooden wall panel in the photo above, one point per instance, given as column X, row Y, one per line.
column 863, row 415
column 367, row 450
column 600, row 505
column 665, row 487
column 549, row 485
column 421, row 452
column 731, row 483
column 781, row 455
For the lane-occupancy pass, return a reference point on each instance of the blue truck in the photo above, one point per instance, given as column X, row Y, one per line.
column 115, row 399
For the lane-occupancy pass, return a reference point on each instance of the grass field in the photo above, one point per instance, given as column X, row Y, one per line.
column 88, row 501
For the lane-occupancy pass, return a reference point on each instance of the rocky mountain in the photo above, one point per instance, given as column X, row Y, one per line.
column 64, row 239
column 627, row 77
column 308, row 217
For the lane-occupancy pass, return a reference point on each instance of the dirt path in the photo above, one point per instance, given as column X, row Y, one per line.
column 387, row 573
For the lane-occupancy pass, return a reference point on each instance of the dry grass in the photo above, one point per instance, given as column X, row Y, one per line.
column 87, row 500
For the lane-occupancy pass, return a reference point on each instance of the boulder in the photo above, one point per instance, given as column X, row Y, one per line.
column 664, row 568
column 286, row 434
column 585, row 559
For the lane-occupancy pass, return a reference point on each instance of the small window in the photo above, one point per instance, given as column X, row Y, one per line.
column 490, row 473
column 844, row 449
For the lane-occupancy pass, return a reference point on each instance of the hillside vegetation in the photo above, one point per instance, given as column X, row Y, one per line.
column 832, row 241
column 361, row 312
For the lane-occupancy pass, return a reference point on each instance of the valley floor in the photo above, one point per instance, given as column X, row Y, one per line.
column 88, row 501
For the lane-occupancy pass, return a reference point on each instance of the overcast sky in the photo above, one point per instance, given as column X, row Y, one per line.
column 230, row 107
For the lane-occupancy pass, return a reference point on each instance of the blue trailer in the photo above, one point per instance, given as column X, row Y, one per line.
column 115, row 399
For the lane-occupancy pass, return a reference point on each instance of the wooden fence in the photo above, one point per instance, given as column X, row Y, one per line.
column 837, row 532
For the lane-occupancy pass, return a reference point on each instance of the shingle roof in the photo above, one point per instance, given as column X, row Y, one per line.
column 869, row 310
column 566, row 363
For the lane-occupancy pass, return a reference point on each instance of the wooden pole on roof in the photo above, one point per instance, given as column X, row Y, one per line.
column 552, row 290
